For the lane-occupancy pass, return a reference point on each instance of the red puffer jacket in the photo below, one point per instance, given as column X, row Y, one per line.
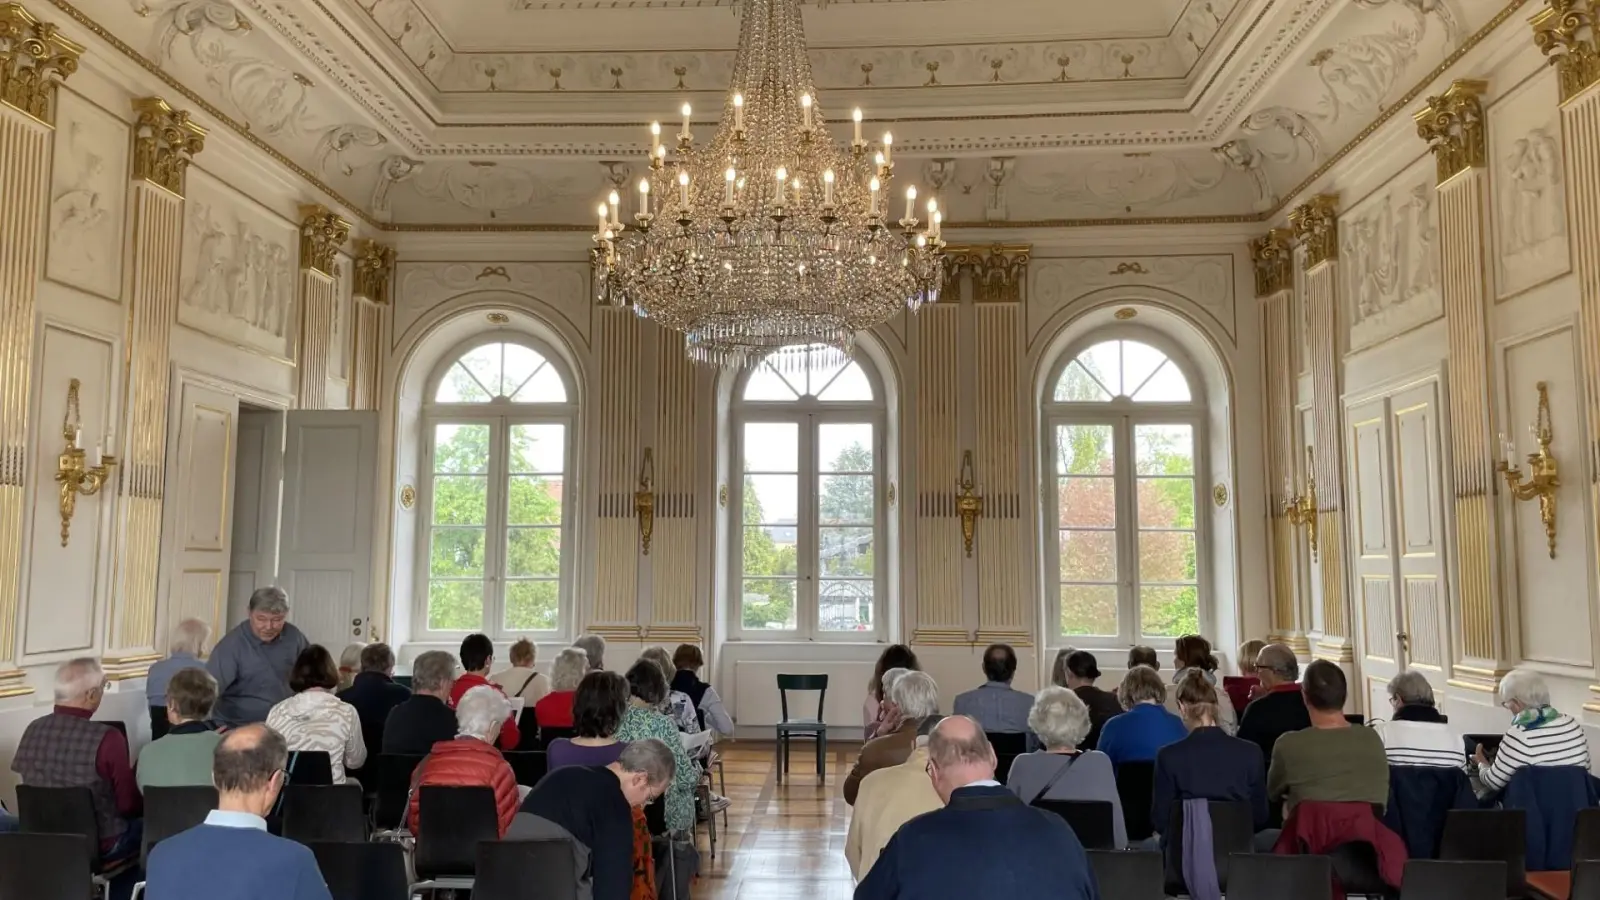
column 466, row 762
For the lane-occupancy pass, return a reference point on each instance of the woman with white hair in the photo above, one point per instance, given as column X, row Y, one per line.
column 350, row 664
column 1061, row 771
column 1417, row 734
column 470, row 759
column 1538, row 736
column 183, row 652
column 554, row 710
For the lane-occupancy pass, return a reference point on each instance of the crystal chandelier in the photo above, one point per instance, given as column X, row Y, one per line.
column 769, row 238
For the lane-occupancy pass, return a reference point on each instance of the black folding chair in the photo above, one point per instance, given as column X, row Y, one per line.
column 1136, row 784
column 528, row 729
column 526, row 870
column 1585, row 880
column 310, row 767
column 1586, row 835
column 1008, row 742
column 159, row 725
column 528, row 765
column 69, row 810
column 1489, row 834
column 394, row 789
column 802, row 727
column 323, row 813
column 551, row 734
column 1232, row 831
column 1355, row 867
column 45, row 867
column 1002, row 766
column 1268, row 876
column 173, row 810
column 1126, row 875
column 1433, row 879
column 451, row 821
column 1091, row 820
column 362, row 871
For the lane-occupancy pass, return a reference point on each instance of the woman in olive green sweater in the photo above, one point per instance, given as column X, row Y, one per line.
column 183, row 757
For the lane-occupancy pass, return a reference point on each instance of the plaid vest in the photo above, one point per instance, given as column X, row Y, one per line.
column 59, row 751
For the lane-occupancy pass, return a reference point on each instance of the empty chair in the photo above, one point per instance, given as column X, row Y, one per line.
column 1432, row 879
column 393, row 788
column 1126, row 875
column 1232, row 832
column 45, row 866
column 451, row 821
column 526, row 870
column 803, row 727
column 359, row 871
column 315, row 813
column 1489, row 834
column 1091, row 821
column 310, row 767
column 1267, row 876
column 173, row 810
column 1136, row 783
column 528, row 765
column 68, row 810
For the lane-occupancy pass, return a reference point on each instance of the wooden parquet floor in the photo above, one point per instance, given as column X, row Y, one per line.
column 782, row 842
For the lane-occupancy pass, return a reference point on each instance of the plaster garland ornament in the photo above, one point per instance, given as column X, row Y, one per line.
column 1565, row 32
column 34, row 57
column 1273, row 257
column 1453, row 125
column 322, row 233
column 374, row 264
column 165, row 142
column 1316, row 227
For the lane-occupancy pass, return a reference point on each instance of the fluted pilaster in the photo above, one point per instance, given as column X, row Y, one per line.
column 322, row 233
column 374, row 268
column 1273, row 258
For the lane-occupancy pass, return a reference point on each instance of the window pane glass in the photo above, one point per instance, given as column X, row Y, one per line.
column 1167, row 385
column 1139, row 362
column 1104, row 362
column 1166, row 503
column 1163, row 449
column 484, row 364
column 1088, row 609
column 456, row 552
column 533, row 552
column 845, row 605
column 1088, row 555
column 455, row 605
column 521, row 362
column 1085, row 450
column 1169, row 611
column 1166, row 556
column 766, row 384
column 538, row 448
column 769, row 551
column 1078, row 386
column 771, row 500
column 460, row 499
column 771, row 447
column 768, row 604
column 1087, row 502
column 534, row 500
column 850, row 385
column 458, row 386
column 844, row 447
column 846, row 551
column 846, row 499
column 545, row 386
column 532, row 605
column 461, row 449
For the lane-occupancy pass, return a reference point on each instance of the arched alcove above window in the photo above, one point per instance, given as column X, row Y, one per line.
column 1122, row 370
column 502, row 371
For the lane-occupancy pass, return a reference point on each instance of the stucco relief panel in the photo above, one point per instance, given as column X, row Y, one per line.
column 238, row 273
column 1530, row 204
column 1206, row 281
column 1389, row 256
column 422, row 287
column 88, row 197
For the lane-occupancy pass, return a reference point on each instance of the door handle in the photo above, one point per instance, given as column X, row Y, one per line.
column 1404, row 639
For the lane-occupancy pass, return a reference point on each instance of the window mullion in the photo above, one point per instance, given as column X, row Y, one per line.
column 808, row 590
column 495, row 553
column 1127, row 532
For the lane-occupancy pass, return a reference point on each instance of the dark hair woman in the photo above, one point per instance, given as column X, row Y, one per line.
column 597, row 710
column 315, row 719
column 874, row 710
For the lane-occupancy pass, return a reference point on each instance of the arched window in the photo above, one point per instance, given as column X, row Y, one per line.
column 498, row 430
column 1123, row 431
column 807, row 521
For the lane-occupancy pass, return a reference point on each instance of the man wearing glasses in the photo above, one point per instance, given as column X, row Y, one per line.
column 252, row 661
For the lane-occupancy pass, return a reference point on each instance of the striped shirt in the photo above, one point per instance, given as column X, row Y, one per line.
column 1422, row 744
column 1558, row 743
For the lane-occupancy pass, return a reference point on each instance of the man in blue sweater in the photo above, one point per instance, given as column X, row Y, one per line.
column 231, row 856
column 985, row 842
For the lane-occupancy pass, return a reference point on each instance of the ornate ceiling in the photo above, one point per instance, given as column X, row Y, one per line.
column 519, row 113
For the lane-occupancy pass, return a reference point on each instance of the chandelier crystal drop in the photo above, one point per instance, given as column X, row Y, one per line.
column 770, row 238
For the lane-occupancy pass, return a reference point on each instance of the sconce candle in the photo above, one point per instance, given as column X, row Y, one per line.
column 1544, row 480
column 73, row 473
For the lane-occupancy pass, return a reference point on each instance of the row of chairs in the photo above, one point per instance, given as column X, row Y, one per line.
column 1138, row 875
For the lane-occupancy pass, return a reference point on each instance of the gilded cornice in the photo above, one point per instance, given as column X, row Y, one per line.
column 1565, row 32
column 1316, row 228
column 34, row 57
column 1273, row 256
column 322, row 233
column 165, row 142
column 374, row 266
column 997, row 270
column 1453, row 125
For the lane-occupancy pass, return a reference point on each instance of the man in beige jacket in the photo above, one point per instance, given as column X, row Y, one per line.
column 889, row 798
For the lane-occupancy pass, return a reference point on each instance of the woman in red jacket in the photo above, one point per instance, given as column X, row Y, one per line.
column 470, row 759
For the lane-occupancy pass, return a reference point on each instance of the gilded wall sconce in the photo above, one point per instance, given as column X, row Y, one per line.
column 644, row 500
column 1544, row 480
column 1302, row 508
column 74, row 472
column 969, row 504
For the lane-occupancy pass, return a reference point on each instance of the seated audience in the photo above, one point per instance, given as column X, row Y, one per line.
column 1079, row 672
column 1278, row 709
column 374, row 693
column 231, row 856
column 183, row 652
column 470, row 758
column 597, row 711
column 63, row 748
column 688, row 660
column 1332, row 761
column 1140, row 655
column 1146, row 727
column 889, row 717
column 677, row 707
column 647, row 685
column 1208, row 764
column 874, row 710
column 252, row 662
column 477, row 657
column 1191, row 651
column 1242, row 688
column 996, row 705
column 1417, row 734
column 887, row 799
column 594, row 648
column 315, row 719
column 1062, row 771
column 522, row 680
column 593, row 808
column 1058, row 669
column 985, row 837
column 1538, row 736
column 413, row 727
column 183, row 757
column 916, row 696
column 349, row 664
column 554, row 710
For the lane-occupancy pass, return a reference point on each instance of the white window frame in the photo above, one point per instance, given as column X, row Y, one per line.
column 1123, row 414
column 500, row 415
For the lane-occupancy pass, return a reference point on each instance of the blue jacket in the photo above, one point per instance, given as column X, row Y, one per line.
column 1420, row 798
column 1552, row 796
column 985, row 843
column 1137, row 734
column 1208, row 765
column 222, row 862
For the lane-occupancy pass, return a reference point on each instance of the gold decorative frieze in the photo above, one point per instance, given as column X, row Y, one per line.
column 374, row 266
column 165, row 142
column 1565, row 32
column 1316, row 227
column 34, row 57
column 1452, row 124
column 1273, row 255
column 322, row 233
column 998, row 271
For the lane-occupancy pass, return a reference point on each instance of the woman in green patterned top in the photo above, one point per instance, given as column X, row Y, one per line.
column 649, row 687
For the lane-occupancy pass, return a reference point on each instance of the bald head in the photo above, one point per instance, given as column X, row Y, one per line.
column 1276, row 665
column 247, row 759
column 959, row 754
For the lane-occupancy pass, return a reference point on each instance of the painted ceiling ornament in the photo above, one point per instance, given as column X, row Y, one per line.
column 34, row 58
column 1565, row 32
column 1242, row 156
column 1452, row 124
column 1316, row 227
column 1273, row 257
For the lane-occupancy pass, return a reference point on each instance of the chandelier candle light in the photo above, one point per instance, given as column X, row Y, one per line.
column 774, row 239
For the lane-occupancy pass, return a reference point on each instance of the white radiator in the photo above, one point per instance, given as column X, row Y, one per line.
column 755, row 692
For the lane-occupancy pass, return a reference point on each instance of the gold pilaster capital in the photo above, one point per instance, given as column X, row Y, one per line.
column 165, row 142
column 998, row 270
column 374, row 268
column 34, row 57
column 1565, row 31
column 1316, row 226
column 322, row 233
column 1272, row 255
column 1453, row 125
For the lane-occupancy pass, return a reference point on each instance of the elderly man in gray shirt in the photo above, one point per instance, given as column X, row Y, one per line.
column 997, row 706
column 252, row 662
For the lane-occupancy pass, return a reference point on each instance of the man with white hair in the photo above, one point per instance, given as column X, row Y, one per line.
column 252, row 662
column 1539, row 735
column 65, row 749
column 470, row 758
column 916, row 697
column 183, row 652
